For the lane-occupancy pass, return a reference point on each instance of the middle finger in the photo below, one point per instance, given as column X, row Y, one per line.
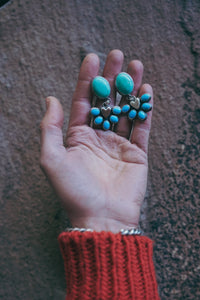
column 112, row 67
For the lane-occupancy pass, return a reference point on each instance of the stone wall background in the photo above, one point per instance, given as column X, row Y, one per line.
column 42, row 44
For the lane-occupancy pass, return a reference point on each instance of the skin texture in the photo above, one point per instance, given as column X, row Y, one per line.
column 99, row 176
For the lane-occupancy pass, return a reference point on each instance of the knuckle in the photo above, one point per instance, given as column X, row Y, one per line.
column 43, row 162
column 47, row 158
column 42, row 125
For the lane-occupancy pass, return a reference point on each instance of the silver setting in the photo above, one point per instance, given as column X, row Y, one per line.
column 134, row 102
column 106, row 108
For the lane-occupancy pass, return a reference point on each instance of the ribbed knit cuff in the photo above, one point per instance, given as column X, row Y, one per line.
column 104, row 265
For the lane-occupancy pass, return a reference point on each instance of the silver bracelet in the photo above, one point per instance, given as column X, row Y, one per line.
column 130, row 231
column 79, row 229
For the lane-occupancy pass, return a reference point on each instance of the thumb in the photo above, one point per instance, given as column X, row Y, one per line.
column 51, row 126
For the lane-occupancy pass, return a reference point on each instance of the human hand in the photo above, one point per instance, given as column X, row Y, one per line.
column 100, row 176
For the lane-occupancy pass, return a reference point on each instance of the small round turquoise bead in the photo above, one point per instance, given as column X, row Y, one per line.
column 146, row 107
column 114, row 119
column 116, row 110
column 132, row 114
column 142, row 115
column 95, row 111
column 98, row 120
column 145, row 97
column 124, row 83
column 125, row 108
column 101, row 87
column 106, row 125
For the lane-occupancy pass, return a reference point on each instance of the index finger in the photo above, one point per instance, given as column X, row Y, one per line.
column 82, row 96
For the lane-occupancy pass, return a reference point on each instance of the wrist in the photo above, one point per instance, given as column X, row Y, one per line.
column 102, row 224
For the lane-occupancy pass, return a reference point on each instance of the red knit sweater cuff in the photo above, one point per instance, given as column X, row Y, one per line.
column 104, row 265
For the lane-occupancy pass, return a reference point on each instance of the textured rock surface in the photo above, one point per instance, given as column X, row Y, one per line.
column 42, row 44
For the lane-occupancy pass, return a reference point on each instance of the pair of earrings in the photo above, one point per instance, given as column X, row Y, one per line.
column 107, row 116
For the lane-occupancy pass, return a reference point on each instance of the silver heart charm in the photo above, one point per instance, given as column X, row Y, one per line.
column 106, row 111
column 135, row 102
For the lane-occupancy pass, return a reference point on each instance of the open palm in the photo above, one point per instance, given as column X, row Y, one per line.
column 100, row 176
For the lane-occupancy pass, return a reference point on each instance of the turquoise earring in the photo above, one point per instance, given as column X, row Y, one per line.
column 135, row 107
column 106, row 116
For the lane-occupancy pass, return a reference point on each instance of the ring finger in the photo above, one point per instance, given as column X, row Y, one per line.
column 135, row 69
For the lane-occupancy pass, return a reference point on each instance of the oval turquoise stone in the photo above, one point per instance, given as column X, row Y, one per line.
column 98, row 120
column 114, row 119
column 116, row 110
column 142, row 115
column 145, row 97
column 146, row 107
column 106, row 125
column 95, row 111
column 125, row 108
column 124, row 83
column 132, row 114
column 101, row 87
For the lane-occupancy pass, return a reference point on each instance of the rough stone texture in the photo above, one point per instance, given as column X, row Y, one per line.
column 42, row 44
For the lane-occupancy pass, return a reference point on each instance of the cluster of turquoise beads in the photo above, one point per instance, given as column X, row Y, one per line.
column 136, row 107
column 106, row 116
